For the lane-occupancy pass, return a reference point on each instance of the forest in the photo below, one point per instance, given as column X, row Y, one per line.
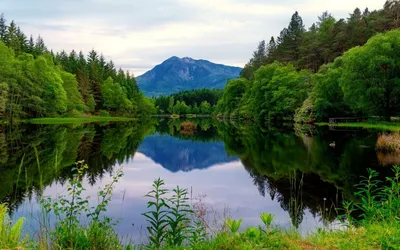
column 36, row 82
column 347, row 67
column 199, row 101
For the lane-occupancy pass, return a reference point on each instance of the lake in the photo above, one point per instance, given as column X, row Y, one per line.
column 235, row 169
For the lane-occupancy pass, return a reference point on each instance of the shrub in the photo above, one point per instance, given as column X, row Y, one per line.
column 11, row 235
column 388, row 142
column 70, row 232
column 305, row 114
column 74, row 113
column 170, row 220
column 104, row 113
column 188, row 126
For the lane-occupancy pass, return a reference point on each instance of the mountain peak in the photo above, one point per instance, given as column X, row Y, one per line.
column 172, row 58
column 183, row 59
column 188, row 59
column 177, row 74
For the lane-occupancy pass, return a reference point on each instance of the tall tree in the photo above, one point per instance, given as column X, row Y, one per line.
column 258, row 59
column 40, row 47
column 23, row 43
column 12, row 39
column 271, row 48
column 371, row 76
column 393, row 7
column 3, row 28
column 259, row 55
column 31, row 45
column 291, row 38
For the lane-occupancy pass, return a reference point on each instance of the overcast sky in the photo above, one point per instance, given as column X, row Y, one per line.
column 138, row 34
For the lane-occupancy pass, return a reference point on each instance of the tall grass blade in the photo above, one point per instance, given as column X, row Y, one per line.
column 19, row 174
column 38, row 165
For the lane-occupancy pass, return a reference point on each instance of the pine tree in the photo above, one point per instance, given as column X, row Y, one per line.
column 325, row 15
column 31, row 45
column 393, row 7
column 11, row 37
column 290, row 40
column 40, row 47
column 3, row 28
column 259, row 55
column 23, row 43
column 72, row 65
column 295, row 34
column 95, row 77
column 82, row 75
column 270, row 51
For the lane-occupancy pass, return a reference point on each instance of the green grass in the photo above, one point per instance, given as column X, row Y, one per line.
column 72, row 120
column 387, row 126
column 372, row 236
column 11, row 233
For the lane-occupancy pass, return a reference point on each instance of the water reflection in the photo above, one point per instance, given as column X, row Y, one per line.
column 293, row 173
column 183, row 155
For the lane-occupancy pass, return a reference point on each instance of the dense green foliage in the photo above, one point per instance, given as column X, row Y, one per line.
column 201, row 101
column 364, row 82
column 36, row 83
column 356, row 71
column 276, row 91
column 371, row 76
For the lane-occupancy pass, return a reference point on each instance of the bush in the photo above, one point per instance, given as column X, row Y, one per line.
column 305, row 114
column 104, row 113
column 74, row 113
column 388, row 143
column 188, row 126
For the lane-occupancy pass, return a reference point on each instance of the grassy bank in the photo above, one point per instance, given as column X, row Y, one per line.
column 176, row 223
column 387, row 126
column 372, row 236
column 85, row 119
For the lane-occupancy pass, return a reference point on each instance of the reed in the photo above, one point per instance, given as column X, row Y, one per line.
column 388, row 142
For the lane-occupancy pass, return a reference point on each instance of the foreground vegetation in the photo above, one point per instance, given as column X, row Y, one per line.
column 371, row 222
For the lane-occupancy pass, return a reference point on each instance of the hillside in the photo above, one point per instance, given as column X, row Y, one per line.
column 177, row 74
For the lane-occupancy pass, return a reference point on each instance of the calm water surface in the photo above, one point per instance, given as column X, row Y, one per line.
column 291, row 172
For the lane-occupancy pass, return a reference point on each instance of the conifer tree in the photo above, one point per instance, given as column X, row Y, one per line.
column 393, row 7
column 40, row 47
column 3, row 28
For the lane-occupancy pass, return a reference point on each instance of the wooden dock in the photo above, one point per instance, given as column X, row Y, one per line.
column 344, row 120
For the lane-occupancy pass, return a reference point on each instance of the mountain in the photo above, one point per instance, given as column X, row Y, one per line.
column 183, row 155
column 177, row 74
